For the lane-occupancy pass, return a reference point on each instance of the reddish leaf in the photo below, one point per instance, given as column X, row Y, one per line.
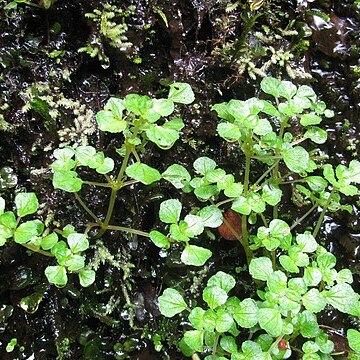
column 230, row 229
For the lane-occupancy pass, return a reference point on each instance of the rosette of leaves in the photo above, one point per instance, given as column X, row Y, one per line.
column 32, row 235
column 341, row 180
column 259, row 125
column 140, row 118
column 183, row 230
column 287, row 309
column 68, row 160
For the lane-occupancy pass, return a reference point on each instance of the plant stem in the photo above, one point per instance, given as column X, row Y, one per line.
column 114, row 189
column 297, row 222
column 276, row 168
column 266, row 173
column 224, row 202
column 97, row 184
column 244, row 230
column 36, row 249
column 129, row 230
column 124, row 163
column 84, row 206
column 322, row 215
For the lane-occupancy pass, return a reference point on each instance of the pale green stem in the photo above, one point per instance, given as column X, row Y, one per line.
column 244, row 229
column 297, row 222
column 224, row 202
column 264, row 220
column 36, row 249
column 84, row 206
column 266, row 173
column 276, row 168
column 94, row 183
column 130, row 182
column 322, row 215
column 129, row 230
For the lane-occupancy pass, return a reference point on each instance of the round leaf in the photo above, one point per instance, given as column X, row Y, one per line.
column 26, row 203
column 171, row 303
column 143, row 173
column 170, row 211
column 56, row 275
column 195, row 255
column 86, row 277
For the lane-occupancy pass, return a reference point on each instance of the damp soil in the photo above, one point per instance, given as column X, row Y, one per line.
column 184, row 41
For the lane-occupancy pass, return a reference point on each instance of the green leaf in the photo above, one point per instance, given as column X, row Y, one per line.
column 224, row 321
column 177, row 175
column 261, row 268
column 271, row 194
column 28, row 231
column 5, row 233
column 215, row 176
column 163, row 137
column 56, row 275
column 277, row 282
column 270, row 320
column 271, row 86
column 287, row 89
column 179, row 232
column 308, row 325
column 326, row 261
column 206, row 192
column 171, row 303
column 195, row 255
column 233, row 189
column 229, row 132
column 26, row 203
column 351, row 174
column 211, row 216
column 245, row 313
column 106, row 166
column 214, row 296
column 307, row 242
column 194, row 339
column 342, row 297
column 181, row 93
column 49, row 241
column 73, row 262
column 263, row 127
column 86, row 277
column 110, row 119
column 306, row 91
column 222, row 111
column 316, row 183
column 256, row 203
column 67, row 181
column 314, row 301
column 288, row 264
column 316, row 135
column 241, row 206
column 163, row 107
column 78, row 242
column 204, row 164
column 143, row 173
column 159, row 239
column 195, row 225
column 312, row 276
column 353, row 337
column 222, row 280
column 228, row 343
column 310, row 119
column 8, row 219
column 85, row 155
column 170, row 211
column 296, row 159
column 196, row 317
column 344, row 276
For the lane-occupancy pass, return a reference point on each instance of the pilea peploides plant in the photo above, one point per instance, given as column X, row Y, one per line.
column 295, row 276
